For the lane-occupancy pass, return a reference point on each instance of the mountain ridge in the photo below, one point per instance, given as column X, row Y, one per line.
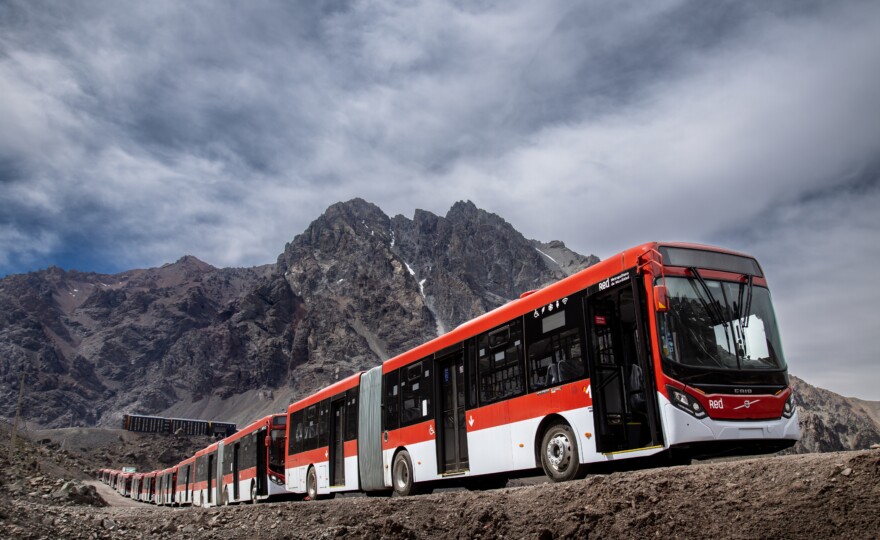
column 147, row 340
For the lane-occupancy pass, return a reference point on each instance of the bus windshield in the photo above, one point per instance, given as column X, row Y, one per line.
column 276, row 450
column 719, row 325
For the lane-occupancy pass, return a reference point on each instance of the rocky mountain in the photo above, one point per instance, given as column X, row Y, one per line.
column 355, row 288
column 831, row 422
column 91, row 343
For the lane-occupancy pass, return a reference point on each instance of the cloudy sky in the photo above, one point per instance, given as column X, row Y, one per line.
column 132, row 133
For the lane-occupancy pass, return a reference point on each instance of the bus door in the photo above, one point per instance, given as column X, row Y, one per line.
column 235, row 466
column 451, row 427
column 337, row 442
column 261, row 452
column 211, row 477
column 624, row 410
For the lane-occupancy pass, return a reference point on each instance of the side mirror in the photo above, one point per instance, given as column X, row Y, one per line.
column 661, row 299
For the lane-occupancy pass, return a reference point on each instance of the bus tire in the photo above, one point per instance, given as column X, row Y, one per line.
column 402, row 475
column 559, row 454
column 312, row 484
column 253, row 493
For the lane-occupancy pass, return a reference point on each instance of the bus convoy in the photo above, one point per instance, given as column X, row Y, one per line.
column 658, row 355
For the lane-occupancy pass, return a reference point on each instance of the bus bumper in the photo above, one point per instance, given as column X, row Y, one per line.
column 707, row 437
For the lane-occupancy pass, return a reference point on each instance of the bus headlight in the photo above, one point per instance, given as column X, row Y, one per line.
column 788, row 408
column 686, row 403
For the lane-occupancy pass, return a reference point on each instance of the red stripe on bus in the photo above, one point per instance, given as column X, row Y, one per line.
column 535, row 405
column 350, row 448
column 424, row 431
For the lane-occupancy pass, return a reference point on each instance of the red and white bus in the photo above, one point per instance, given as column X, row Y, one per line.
column 659, row 354
column 206, row 468
column 322, row 450
column 136, row 480
column 166, row 480
column 123, row 484
column 148, row 487
column 186, row 470
column 253, row 461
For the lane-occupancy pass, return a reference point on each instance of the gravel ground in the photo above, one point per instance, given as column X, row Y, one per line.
column 833, row 495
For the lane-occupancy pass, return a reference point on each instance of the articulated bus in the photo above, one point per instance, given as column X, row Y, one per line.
column 183, row 493
column 123, row 484
column 252, row 461
column 148, row 492
column 207, row 467
column 165, row 482
column 137, row 486
column 322, row 450
column 660, row 354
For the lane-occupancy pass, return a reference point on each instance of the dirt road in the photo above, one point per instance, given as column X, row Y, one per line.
column 112, row 497
column 799, row 496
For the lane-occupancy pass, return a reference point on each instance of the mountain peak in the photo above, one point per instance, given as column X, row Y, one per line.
column 192, row 262
column 358, row 209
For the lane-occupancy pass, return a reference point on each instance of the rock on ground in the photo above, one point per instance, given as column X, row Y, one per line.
column 834, row 495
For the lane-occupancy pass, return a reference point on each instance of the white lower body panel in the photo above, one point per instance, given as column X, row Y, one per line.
column 679, row 427
column 296, row 477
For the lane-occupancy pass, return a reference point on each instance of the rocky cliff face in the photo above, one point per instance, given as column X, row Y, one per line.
column 831, row 422
column 92, row 344
column 355, row 288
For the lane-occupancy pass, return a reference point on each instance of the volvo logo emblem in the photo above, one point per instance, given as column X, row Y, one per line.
column 746, row 404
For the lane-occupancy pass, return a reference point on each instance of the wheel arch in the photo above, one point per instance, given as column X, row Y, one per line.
column 394, row 455
column 546, row 423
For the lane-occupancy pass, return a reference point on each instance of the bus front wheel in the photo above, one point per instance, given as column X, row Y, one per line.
column 559, row 454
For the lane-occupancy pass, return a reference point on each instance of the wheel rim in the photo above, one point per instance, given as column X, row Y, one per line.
column 559, row 452
column 402, row 474
column 312, row 487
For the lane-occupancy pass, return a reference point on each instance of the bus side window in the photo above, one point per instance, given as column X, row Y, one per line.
column 391, row 401
column 471, row 373
column 311, row 428
column 324, row 423
column 351, row 414
column 555, row 353
column 294, row 445
column 415, row 390
column 499, row 360
column 409, row 393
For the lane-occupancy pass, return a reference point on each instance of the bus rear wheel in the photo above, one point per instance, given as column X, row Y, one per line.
column 402, row 475
column 559, row 454
column 253, row 493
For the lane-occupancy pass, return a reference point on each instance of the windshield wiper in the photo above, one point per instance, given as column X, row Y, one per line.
column 715, row 310
column 711, row 307
column 747, row 308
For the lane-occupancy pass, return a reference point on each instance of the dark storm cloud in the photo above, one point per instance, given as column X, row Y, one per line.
column 133, row 133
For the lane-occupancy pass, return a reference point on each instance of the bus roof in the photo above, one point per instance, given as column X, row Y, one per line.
column 345, row 384
column 250, row 428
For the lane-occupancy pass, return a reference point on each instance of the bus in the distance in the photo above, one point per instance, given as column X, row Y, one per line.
column 659, row 354
column 253, row 461
column 322, row 451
